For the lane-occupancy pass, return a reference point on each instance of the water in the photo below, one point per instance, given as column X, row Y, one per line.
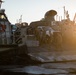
column 67, row 68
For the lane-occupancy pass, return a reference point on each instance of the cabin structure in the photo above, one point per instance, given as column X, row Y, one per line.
column 5, row 28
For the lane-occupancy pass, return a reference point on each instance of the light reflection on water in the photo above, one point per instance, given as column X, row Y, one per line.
column 68, row 68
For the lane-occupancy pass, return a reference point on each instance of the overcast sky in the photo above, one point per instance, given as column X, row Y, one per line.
column 34, row 10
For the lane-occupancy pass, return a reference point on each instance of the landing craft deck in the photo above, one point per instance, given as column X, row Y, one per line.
column 45, row 54
column 7, row 47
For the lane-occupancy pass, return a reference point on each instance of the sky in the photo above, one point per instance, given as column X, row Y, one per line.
column 34, row 10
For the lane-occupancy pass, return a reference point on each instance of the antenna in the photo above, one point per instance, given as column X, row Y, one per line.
column 64, row 11
column 74, row 20
column 1, row 3
column 20, row 20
